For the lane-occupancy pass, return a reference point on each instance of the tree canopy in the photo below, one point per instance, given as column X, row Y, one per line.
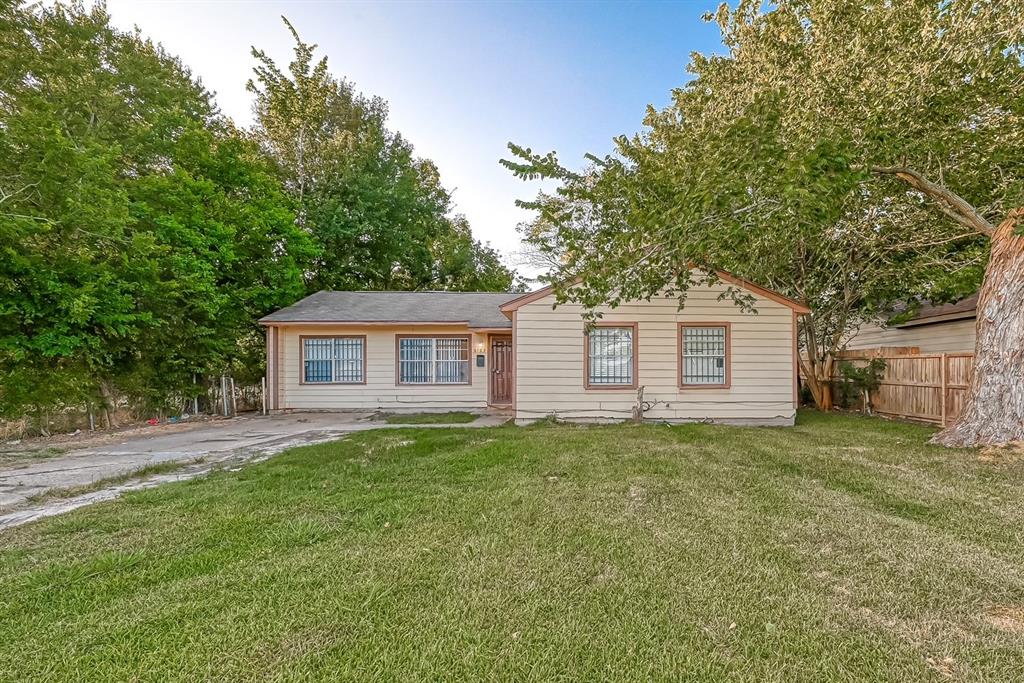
column 380, row 217
column 142, row 234
column 801, row 159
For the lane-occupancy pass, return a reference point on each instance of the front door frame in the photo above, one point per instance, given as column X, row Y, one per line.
column 492, row 369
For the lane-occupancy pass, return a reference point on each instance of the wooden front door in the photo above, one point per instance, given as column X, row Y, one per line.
column 503, row 372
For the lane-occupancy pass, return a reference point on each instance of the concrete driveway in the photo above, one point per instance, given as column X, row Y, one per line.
column 37, row 487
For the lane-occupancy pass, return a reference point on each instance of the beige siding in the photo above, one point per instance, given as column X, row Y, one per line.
column 549, row 362
column 380, row 390
column 955, row 336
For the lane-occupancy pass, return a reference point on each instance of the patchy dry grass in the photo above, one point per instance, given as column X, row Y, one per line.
column 843, row 549
column 106, row 482
column 456, row 417
column 12, row 456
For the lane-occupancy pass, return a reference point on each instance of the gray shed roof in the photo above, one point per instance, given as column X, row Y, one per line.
column 477, row 309
column 929, row 313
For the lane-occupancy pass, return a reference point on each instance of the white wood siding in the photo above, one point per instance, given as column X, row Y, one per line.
column 549, row 362
column 380, row 390
column 955, row 336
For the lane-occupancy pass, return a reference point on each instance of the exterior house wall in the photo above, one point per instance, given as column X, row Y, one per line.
column 954, row 336
column 550, row 361
column 381, row 390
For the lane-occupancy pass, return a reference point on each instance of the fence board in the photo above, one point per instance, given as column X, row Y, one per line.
column 927, row 387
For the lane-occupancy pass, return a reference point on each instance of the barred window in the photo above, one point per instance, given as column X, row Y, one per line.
column 433, row 360
column 610, row 356
column 335, row 360
column 704, row 355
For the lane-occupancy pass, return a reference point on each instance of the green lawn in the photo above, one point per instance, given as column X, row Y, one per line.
column 430, row 418
column 843, row 549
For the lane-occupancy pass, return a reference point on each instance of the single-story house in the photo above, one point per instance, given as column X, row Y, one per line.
column 948, row 328
column 444, row 351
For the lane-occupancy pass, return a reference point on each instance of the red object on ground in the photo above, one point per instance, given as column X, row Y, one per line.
column 152, row 421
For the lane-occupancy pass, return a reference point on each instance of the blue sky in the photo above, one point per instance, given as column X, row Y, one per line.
column 461, row 78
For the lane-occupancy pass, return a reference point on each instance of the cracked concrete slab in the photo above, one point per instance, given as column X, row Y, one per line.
column 222, row 444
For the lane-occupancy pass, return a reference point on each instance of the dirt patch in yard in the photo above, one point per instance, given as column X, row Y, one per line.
column 1006, row 618
column 1003, row 455
column 946, row 666
column 388, row 444
column 637, row 497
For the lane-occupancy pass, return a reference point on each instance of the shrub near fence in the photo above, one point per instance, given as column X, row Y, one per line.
column 929, row 387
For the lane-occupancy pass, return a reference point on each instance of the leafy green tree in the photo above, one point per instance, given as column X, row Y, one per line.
column 228, row 252
column 140, row 234
column 847, row 154
column 379, row 216
column 466, row 265
column 842, row 256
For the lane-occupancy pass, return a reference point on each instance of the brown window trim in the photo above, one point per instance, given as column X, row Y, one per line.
column 728, row 354
column 636, row 359
column 398, row 359
column 302, row 356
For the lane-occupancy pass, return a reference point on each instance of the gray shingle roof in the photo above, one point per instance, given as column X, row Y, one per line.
column 929, row 313
column 477, row 309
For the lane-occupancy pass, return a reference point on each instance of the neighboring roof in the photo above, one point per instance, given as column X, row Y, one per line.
column 928, row 313
column 475, row 309
column 728, row 277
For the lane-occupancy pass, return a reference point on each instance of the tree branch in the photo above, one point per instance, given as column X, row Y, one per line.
column 947, row 201
column 5, row 195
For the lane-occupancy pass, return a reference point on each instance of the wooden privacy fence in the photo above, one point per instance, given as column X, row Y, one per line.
column 929, row 386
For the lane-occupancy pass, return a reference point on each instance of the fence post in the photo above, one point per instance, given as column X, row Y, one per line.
column 942, row 374
column 263, row 395
column 224, row 394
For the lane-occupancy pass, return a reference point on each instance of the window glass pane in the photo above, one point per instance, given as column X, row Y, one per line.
column 611, row 355
column 415, row 360
column 338, row 359
column 348, row 360
column 452, row 361
column 318, row 356
column 703, row 355
column 442, row 360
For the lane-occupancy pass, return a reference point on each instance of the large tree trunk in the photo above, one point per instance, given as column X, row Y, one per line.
column 993, row 411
